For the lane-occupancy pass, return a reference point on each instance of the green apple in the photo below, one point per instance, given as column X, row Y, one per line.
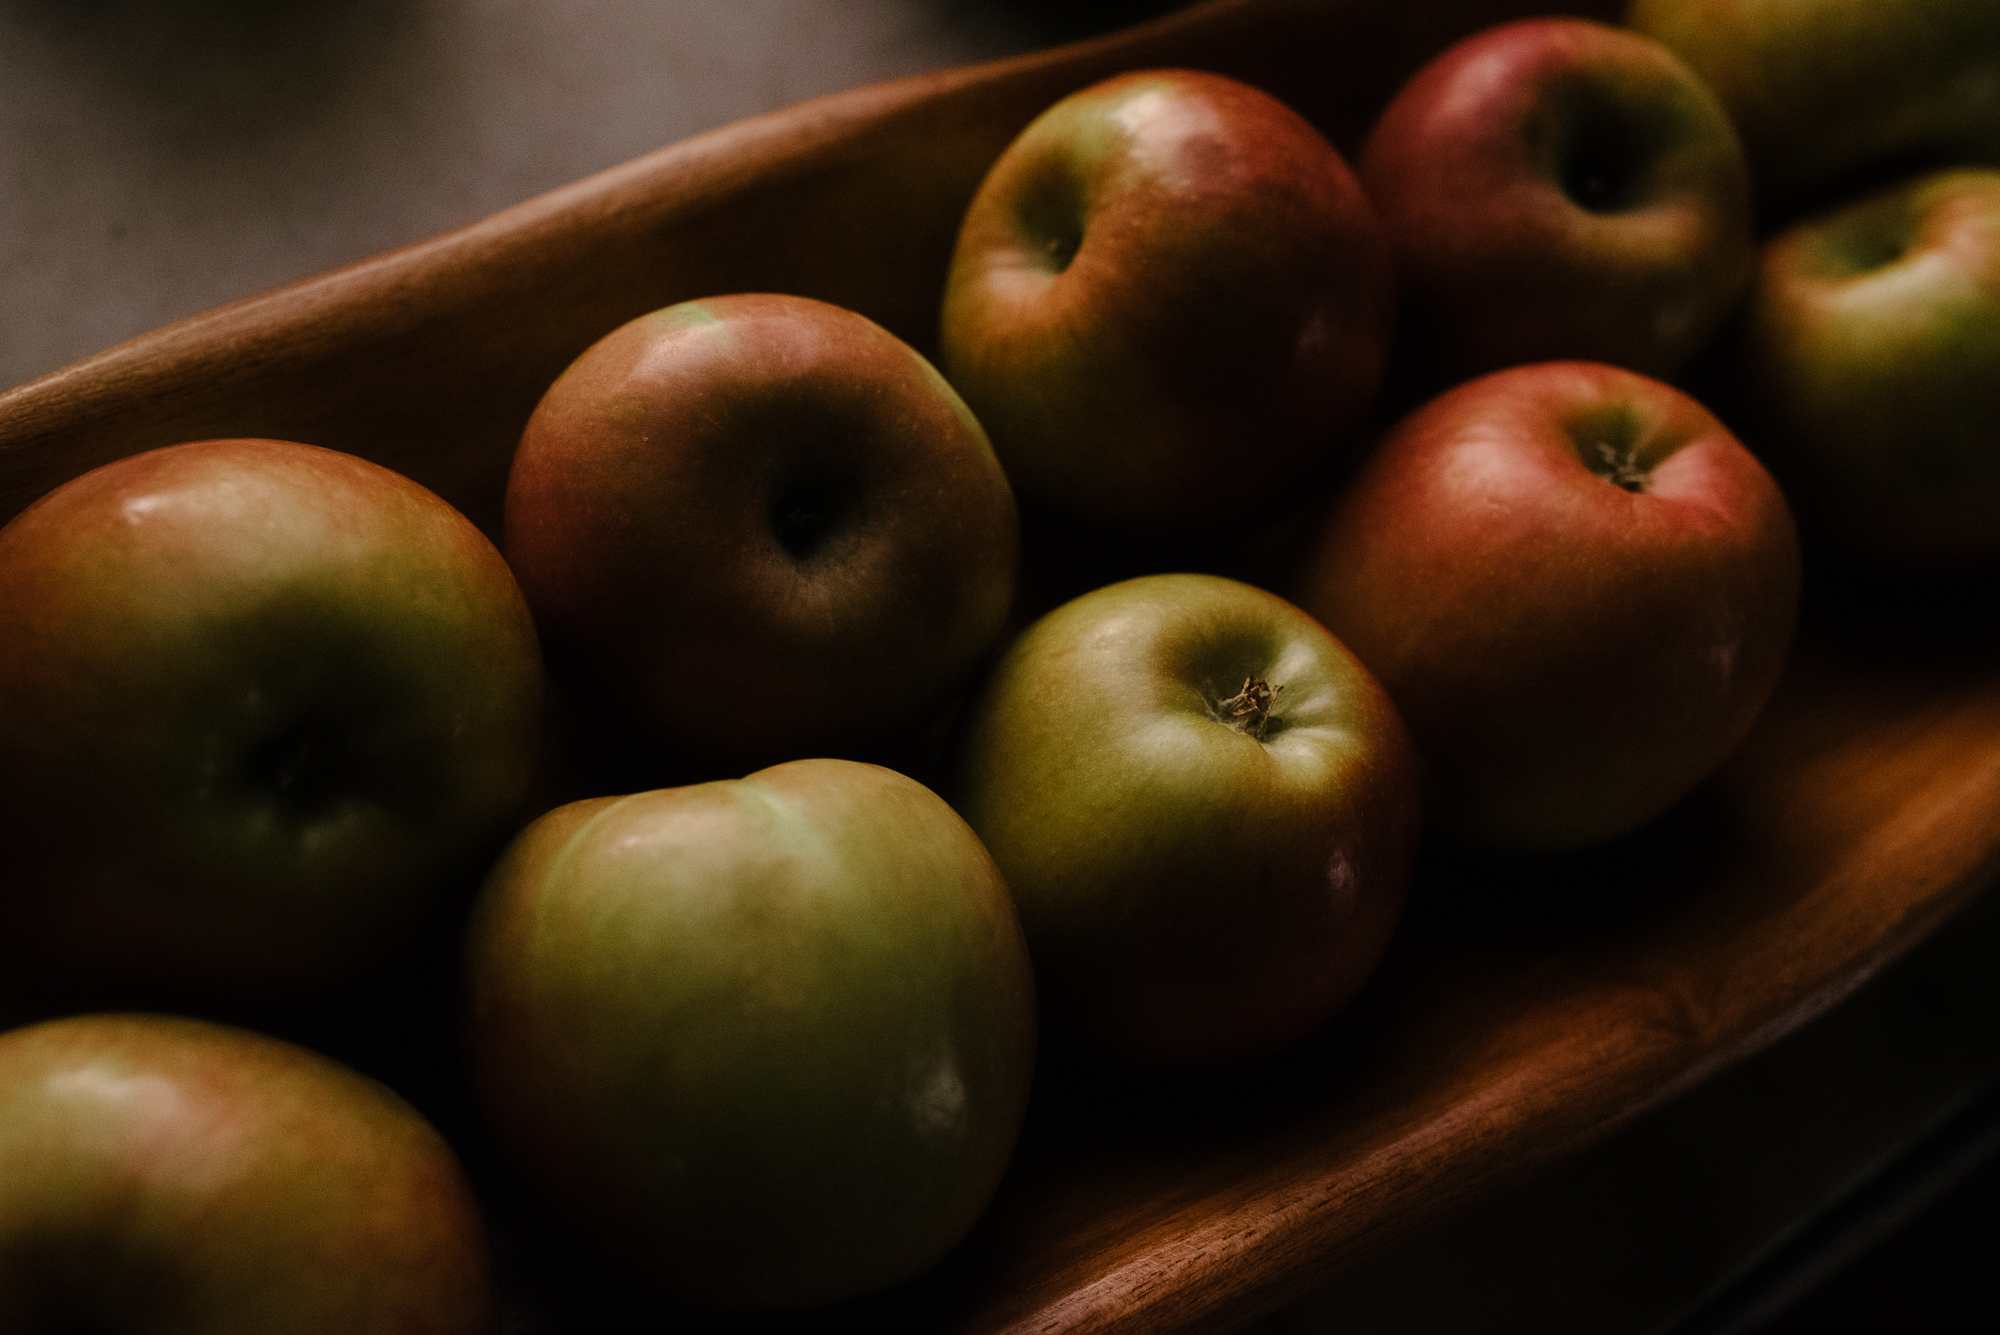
column 1558, row 188
column 162, row 1174
column 1169, row 299
column 1831, row 91
column 755, row 528
column 1578, row 587
column 261, row 706
column 767, row 1042
column 1206, row 808
column 1871, row 370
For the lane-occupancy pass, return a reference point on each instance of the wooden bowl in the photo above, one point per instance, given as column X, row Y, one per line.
column 1527, row 1009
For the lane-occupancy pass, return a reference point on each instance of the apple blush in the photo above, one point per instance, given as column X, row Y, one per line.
column 762, row 1042
column 168, row 1174
column 1207, row 810
column 1169, row 299
column 263, row 708
column 757, row 528
column 1558, row 188
column 1577, row 586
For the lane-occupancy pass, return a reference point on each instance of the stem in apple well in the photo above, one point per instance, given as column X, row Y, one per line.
column 1249, row 710
column 1621, row 466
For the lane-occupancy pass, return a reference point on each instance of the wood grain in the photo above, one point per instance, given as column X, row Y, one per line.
column 1528, row 1008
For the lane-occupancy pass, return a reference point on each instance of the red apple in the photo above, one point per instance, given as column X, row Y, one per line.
column 1871, row 371
column 1578, row 587
column 163, row 1174
column 1827, row 92
column 1206, row 809
column 261, row 705
column 1558, row 188
column 766, row 1042
column 1169, row 298
column 756, row 528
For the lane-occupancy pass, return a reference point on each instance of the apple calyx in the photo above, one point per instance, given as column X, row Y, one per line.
column 1249, row 710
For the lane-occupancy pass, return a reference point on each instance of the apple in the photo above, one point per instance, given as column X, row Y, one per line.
column 261, row 705
column 1577, row 586
column 166, row 1174
column 1827, row 92
column 1168, row 299
column 1559, row 188
column 1870, row 369
column 756, row 527
column 766, row 1041
column 1207, row 811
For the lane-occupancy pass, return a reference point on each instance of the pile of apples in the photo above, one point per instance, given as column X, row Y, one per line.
column 835, row 815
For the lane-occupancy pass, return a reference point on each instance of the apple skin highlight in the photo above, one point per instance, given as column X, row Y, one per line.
column 1578, row 587
column 1207, row 810
column 265, row 708
column 759, row 527
column 1169, row 302
column 1558, row 189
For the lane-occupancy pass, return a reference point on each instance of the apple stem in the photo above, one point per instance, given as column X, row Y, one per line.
column 1249, row 710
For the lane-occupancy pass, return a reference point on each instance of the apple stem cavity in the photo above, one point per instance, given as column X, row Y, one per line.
column 1621, row 467
column 1600, row 173
column 302, row 766
column 1249, row 710
column 805, row 516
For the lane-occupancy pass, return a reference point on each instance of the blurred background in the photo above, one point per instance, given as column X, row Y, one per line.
column 158, row 159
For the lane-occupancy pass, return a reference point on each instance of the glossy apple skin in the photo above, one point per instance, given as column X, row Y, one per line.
column 1571, row 656
column 768, row 1041
column 1871, row 371
column 1828, row 92
column 1193, row 894
column 1560, row 189
column 759, row 527
column 1168, row 296
column 164, row 1174
column 262, row 706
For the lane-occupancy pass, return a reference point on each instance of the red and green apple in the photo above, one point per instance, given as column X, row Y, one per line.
column 261, row 706
column 755, row 528
column 1206, row 808
column 1870, row 371
column 766, row 1042
column 1557, row 188
column 1169, row 299
column 165, row 1174
column 1578, row 587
